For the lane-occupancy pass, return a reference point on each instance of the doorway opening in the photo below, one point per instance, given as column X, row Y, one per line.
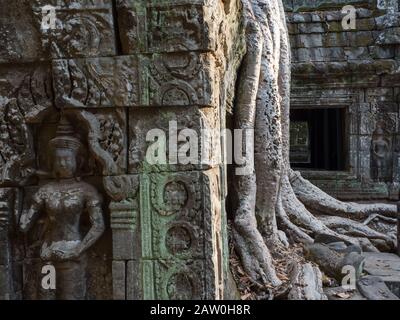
column 317, row 138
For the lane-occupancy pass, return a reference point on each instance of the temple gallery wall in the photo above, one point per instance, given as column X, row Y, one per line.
column 76, row 102
column 345, row 98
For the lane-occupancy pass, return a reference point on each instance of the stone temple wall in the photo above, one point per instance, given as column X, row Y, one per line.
column 115, row 70
column 359, row 70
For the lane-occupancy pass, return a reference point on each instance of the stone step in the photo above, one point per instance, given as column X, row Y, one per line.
column 385, row 266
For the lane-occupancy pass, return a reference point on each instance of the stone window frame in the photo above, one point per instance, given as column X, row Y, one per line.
column 350, row 101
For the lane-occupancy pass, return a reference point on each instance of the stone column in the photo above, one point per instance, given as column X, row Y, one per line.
column 181, row 230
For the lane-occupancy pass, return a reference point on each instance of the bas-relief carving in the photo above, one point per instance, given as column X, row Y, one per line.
column 381, row 154
column 103, row 133
column 64, row 201
column 182, row 79
column 182, row 215
column 82, row 29
column 94, row 83
column 203, row 122
column 25, row 97
column 154, row 27
column 179, row 79
column 88, row 125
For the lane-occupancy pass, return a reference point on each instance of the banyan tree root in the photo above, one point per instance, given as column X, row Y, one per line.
column 274, row 195
column 335, row 215
column 332, row 262
column 354, row 229
column 295, row 219
column 321, row 203
column 249, row 242
column 359, row 230
column 306, row 283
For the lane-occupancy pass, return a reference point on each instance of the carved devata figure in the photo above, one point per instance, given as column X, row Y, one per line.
column 381, row 156
column 64, row 201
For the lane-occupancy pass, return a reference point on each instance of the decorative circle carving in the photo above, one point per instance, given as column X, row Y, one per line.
column 175, row 195
column 177, row 93
column 178, row 240
column 175, row 96
column 180, row 286
column 180, row 65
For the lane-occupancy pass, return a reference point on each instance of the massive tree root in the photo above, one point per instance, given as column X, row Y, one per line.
column 321, row 203
column 273, row 198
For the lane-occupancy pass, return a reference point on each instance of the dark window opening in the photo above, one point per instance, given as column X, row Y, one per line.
column 317, row 138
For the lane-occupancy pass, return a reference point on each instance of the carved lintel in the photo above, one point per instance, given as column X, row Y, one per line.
column 160, row 80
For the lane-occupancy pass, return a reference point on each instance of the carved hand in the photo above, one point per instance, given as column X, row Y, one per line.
column 70, row 253
column 61, row 251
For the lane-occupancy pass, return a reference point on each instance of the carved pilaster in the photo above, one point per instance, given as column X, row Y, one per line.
column 9, row 285
column 124, row 211
column 181, row 236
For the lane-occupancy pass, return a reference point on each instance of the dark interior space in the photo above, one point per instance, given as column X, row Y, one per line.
column 318, row 138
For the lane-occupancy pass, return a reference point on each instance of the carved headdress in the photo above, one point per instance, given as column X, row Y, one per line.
column 65, row 137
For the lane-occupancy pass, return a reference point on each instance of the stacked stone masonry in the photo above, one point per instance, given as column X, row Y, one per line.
column 357, row 69
column 113, row 70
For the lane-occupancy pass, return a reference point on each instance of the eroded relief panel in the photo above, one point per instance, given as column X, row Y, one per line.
column 77, row 99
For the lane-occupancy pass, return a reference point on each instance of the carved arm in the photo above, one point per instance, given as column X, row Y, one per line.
column 96, row 230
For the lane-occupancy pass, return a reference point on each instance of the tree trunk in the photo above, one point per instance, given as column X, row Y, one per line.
column 273, row 194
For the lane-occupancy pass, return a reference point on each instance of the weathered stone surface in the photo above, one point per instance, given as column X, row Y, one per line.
column 119, row 280
column 154, row 27
column 77, row 101
column 179, row 221
column 384, row 265
column 176, row 129
column 364, row 64
column 82, row 28
column 374, row 288
column 8, row 257
column 15, row 21
column 125, row 228
column 389, row 37
column 180, row 79
column 308, row 5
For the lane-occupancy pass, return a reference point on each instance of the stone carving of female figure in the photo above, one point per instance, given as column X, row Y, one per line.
column 64, row 201
column 381, row 155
